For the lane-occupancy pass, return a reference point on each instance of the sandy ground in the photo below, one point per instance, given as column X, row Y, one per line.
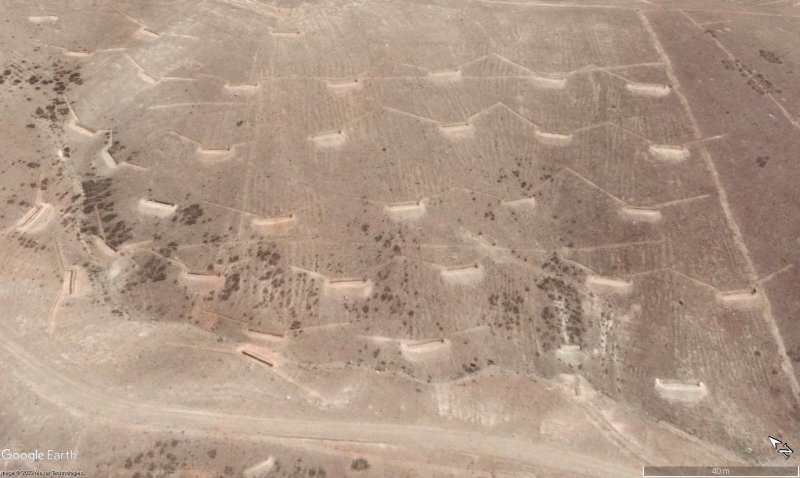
column 409, row 238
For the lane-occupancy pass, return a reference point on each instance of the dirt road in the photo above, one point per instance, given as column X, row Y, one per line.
column 57, row 387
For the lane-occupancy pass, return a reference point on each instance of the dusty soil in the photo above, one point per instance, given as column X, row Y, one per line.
column 409, row 238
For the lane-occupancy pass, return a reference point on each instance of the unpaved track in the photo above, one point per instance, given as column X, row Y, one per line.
column 74, row 396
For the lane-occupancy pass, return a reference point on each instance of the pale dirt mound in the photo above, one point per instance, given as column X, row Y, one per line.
column 645, row 89
column 681, row 391
column 669, row 152
column 463, row 275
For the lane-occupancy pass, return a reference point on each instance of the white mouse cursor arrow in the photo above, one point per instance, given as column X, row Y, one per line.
column 780, row 447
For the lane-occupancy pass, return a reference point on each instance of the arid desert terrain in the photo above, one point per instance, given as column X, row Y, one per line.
column 398, row 238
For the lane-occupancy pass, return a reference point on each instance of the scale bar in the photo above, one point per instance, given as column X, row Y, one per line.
column 721, row 471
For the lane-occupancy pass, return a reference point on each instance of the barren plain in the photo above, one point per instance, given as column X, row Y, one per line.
column 409, row 238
